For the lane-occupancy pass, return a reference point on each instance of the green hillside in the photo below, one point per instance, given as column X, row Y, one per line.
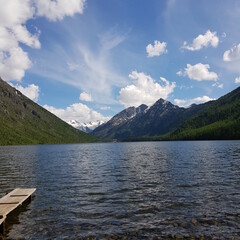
column 219, row 119
column 24, row 122
column 214, row 120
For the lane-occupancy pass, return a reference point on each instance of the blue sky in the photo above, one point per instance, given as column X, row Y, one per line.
column 88, row 60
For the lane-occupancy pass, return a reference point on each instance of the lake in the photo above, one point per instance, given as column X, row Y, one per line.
column 125, row 190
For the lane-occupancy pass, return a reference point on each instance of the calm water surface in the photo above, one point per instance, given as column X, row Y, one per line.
column 125, row 190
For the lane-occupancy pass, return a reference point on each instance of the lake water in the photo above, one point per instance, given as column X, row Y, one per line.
column 125, row 190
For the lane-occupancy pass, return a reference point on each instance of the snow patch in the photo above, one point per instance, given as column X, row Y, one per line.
column 85, row 127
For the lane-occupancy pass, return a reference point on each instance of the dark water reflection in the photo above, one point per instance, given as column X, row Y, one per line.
column 131, row 190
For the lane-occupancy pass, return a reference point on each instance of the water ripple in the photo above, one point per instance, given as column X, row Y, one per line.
column 125, row 190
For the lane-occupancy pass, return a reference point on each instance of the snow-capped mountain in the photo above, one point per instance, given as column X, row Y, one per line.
column 133, row 122
column 125, row 116
column 85, row 127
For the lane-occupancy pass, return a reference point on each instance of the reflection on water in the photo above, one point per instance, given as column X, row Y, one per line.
column 158, row 189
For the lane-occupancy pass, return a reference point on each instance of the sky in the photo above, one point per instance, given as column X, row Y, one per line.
column 89, row 59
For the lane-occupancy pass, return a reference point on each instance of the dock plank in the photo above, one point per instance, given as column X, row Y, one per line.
column 10, row 199
column 23, row 191
column 7, row 208
column 13, row 199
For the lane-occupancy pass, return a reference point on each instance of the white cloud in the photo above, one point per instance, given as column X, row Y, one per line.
column 144, row 90
column 85, row 97
column 76, row 111
column 31, row 91
column 14, row 14
column 198, row 72
column 218, row 85
column 156, row 50
column 13, row 64
column 188, row 102
column 58, row 9
column 237, row 79
column 233, row 54
column 24, row 36
column 209, row 38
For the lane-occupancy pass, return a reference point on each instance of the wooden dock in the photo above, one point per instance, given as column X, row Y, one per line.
column 11, row 201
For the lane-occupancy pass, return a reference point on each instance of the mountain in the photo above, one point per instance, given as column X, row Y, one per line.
column 108, row 130
column 24, row 122
column 156, row 120
column 85, row 127
column 217, row 119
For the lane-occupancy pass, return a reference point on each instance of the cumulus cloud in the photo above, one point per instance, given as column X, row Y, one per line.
column 13, row 17
column 85, row 97
column 188, row 102
column 31, row 91
column 76, row 111
column 13, row 64
column 144, row 90
column 233, row 54
column 24, row 36
column 237, row 79
column 198, row 72
column 58, row 9
column 209, row 38
column 157, row 49
column 14, row 14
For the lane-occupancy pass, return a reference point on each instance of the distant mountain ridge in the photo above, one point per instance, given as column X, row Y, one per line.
column 22, row 121
column 85, row 127
column 165, row 121
column 107, row 130
column 156, row 120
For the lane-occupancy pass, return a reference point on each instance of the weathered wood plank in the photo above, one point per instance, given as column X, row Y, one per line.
column 6, row 209
column 23, row 191
column 13, row 199
column 10, row 199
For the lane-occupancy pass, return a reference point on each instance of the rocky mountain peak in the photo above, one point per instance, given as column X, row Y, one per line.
column 127, row 114
column 162, row 105
column 85, row 126
column 141, row 108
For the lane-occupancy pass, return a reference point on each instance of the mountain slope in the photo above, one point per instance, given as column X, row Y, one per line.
column 219, row 119
column 159, row 119
column 24, row 122
column 108, row 130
